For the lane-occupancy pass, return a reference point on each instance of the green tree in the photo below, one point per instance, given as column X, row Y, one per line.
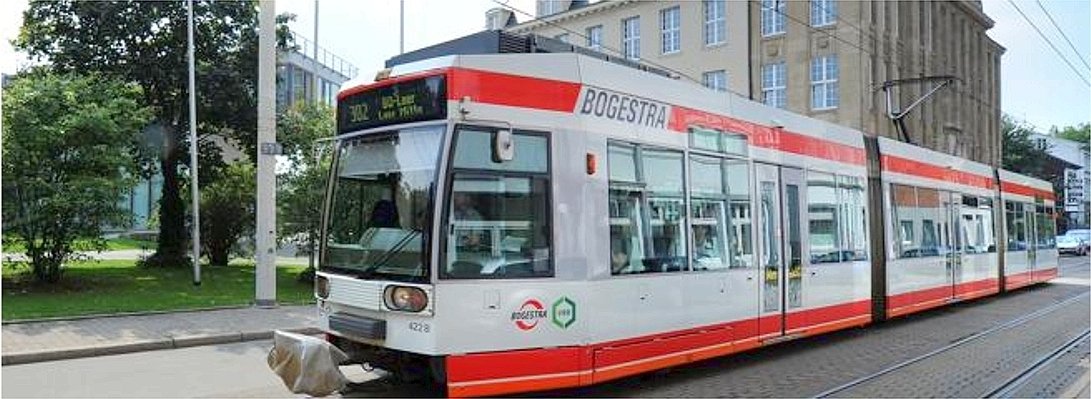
column 1020, row 153
column 227, row 211
column 1080, row 133
column 63, row 171
column 302, row 187
column 145, row 42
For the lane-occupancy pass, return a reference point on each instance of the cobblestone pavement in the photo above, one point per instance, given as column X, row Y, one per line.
column 1064, row 378
column 980, row 366
column 810, row 366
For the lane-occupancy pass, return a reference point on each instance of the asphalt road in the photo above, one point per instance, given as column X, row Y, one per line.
column 801, row 368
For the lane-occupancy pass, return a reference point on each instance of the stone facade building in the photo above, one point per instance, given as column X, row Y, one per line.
column 821, row 58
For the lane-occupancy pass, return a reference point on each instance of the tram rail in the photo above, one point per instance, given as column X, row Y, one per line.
column 1006, row 388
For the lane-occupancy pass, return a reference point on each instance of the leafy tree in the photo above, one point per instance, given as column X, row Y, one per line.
column 302, row 187
column 1079, row 133
column 227, row 211
column 63, row 171
column 145, row 42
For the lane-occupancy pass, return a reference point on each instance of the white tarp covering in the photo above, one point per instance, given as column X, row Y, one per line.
column 306, row 364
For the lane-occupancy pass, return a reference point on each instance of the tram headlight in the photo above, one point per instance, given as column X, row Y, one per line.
column 407, row 299
column 322, row 287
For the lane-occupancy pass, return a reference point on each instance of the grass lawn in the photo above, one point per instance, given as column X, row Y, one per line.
column 112, row 286
column 113, row 244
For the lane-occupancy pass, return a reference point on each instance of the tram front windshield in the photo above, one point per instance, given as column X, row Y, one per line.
column 377, row 222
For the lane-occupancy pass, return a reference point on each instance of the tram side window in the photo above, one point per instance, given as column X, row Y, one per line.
column 740, row 240
column 498, row 213
column 1016, row 226
column 977, row 225
column 854, row 211
column 915, row 228
column 709, row 213
column 1046, row 235
column 647, row 218
column 824, row 216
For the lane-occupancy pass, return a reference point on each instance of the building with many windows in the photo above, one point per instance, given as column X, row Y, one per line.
column 821, row 58
column 296, row 72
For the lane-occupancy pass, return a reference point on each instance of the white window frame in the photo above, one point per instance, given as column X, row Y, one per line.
column 772, row 19
column 823, row 12
column 630, row 38
column 670, row 30
column 562, row 37
column 825, row 93
column 594, row 37
column 715, row 80
column 774, row 84
column 715, row 12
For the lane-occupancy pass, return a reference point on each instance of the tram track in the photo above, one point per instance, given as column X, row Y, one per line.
column 1013, row 323
column 1013, row 385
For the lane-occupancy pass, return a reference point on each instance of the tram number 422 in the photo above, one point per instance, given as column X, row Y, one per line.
column 420, row 327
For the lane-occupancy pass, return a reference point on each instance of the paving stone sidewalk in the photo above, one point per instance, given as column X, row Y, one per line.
column 31, row 342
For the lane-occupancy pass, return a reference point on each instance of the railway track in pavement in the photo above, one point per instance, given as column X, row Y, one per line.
column 951, row 370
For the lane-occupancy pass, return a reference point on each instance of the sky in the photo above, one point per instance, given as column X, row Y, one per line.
column 1036, row 85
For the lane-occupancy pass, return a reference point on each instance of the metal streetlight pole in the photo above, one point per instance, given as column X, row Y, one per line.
column 193, row 154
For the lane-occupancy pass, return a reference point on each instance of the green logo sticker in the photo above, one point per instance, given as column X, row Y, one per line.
column 564, row 312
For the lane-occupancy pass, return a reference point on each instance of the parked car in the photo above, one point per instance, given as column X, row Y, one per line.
column 1083, row 234
column 1073, row 244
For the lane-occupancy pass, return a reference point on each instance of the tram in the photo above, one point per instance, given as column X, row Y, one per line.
column 502, row 223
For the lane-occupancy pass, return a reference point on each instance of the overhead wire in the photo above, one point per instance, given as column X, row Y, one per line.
column 604, row 46
column 1051, row 45
column 1073, row 46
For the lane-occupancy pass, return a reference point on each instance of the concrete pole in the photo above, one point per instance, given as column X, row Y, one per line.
column 265, row 233
column 193, row 152
column 317, row 80
column 401, row 27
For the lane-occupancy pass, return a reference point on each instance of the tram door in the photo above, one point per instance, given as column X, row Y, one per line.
column 780, row 192
column 952, row 238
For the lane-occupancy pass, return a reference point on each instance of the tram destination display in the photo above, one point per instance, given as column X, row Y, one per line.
column 401, row 102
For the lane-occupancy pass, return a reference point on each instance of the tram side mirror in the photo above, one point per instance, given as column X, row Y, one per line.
column 503, row 146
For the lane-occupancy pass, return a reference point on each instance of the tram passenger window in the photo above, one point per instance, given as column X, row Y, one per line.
column 1016, row 226
column 498, row 213
column 647, row 218
column 904, row 211
column 740, row 241
column 856, row 212
column 666, row 213
column 708, row 210
column 1046, row 227
column 977, row 228
column 823, row 213
column 930, row 213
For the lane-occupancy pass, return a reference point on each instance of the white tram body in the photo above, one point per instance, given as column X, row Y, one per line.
column 638, row 223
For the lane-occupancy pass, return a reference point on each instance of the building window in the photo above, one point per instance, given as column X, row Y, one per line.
column 824, row 12
column 562, row 37
column 715, row 22
column 715, row 80
column 772, row 17
column 670, row 31
column 594, row 37
column 773, row 85
column 824, row 83
column 630, row 38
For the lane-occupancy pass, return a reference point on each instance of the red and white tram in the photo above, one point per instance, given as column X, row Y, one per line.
column 505, row 223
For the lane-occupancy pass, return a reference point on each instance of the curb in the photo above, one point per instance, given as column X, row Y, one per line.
column 143, row 313
column 148, row 345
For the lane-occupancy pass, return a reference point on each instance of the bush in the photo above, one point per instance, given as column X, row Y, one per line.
column 227, row 211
